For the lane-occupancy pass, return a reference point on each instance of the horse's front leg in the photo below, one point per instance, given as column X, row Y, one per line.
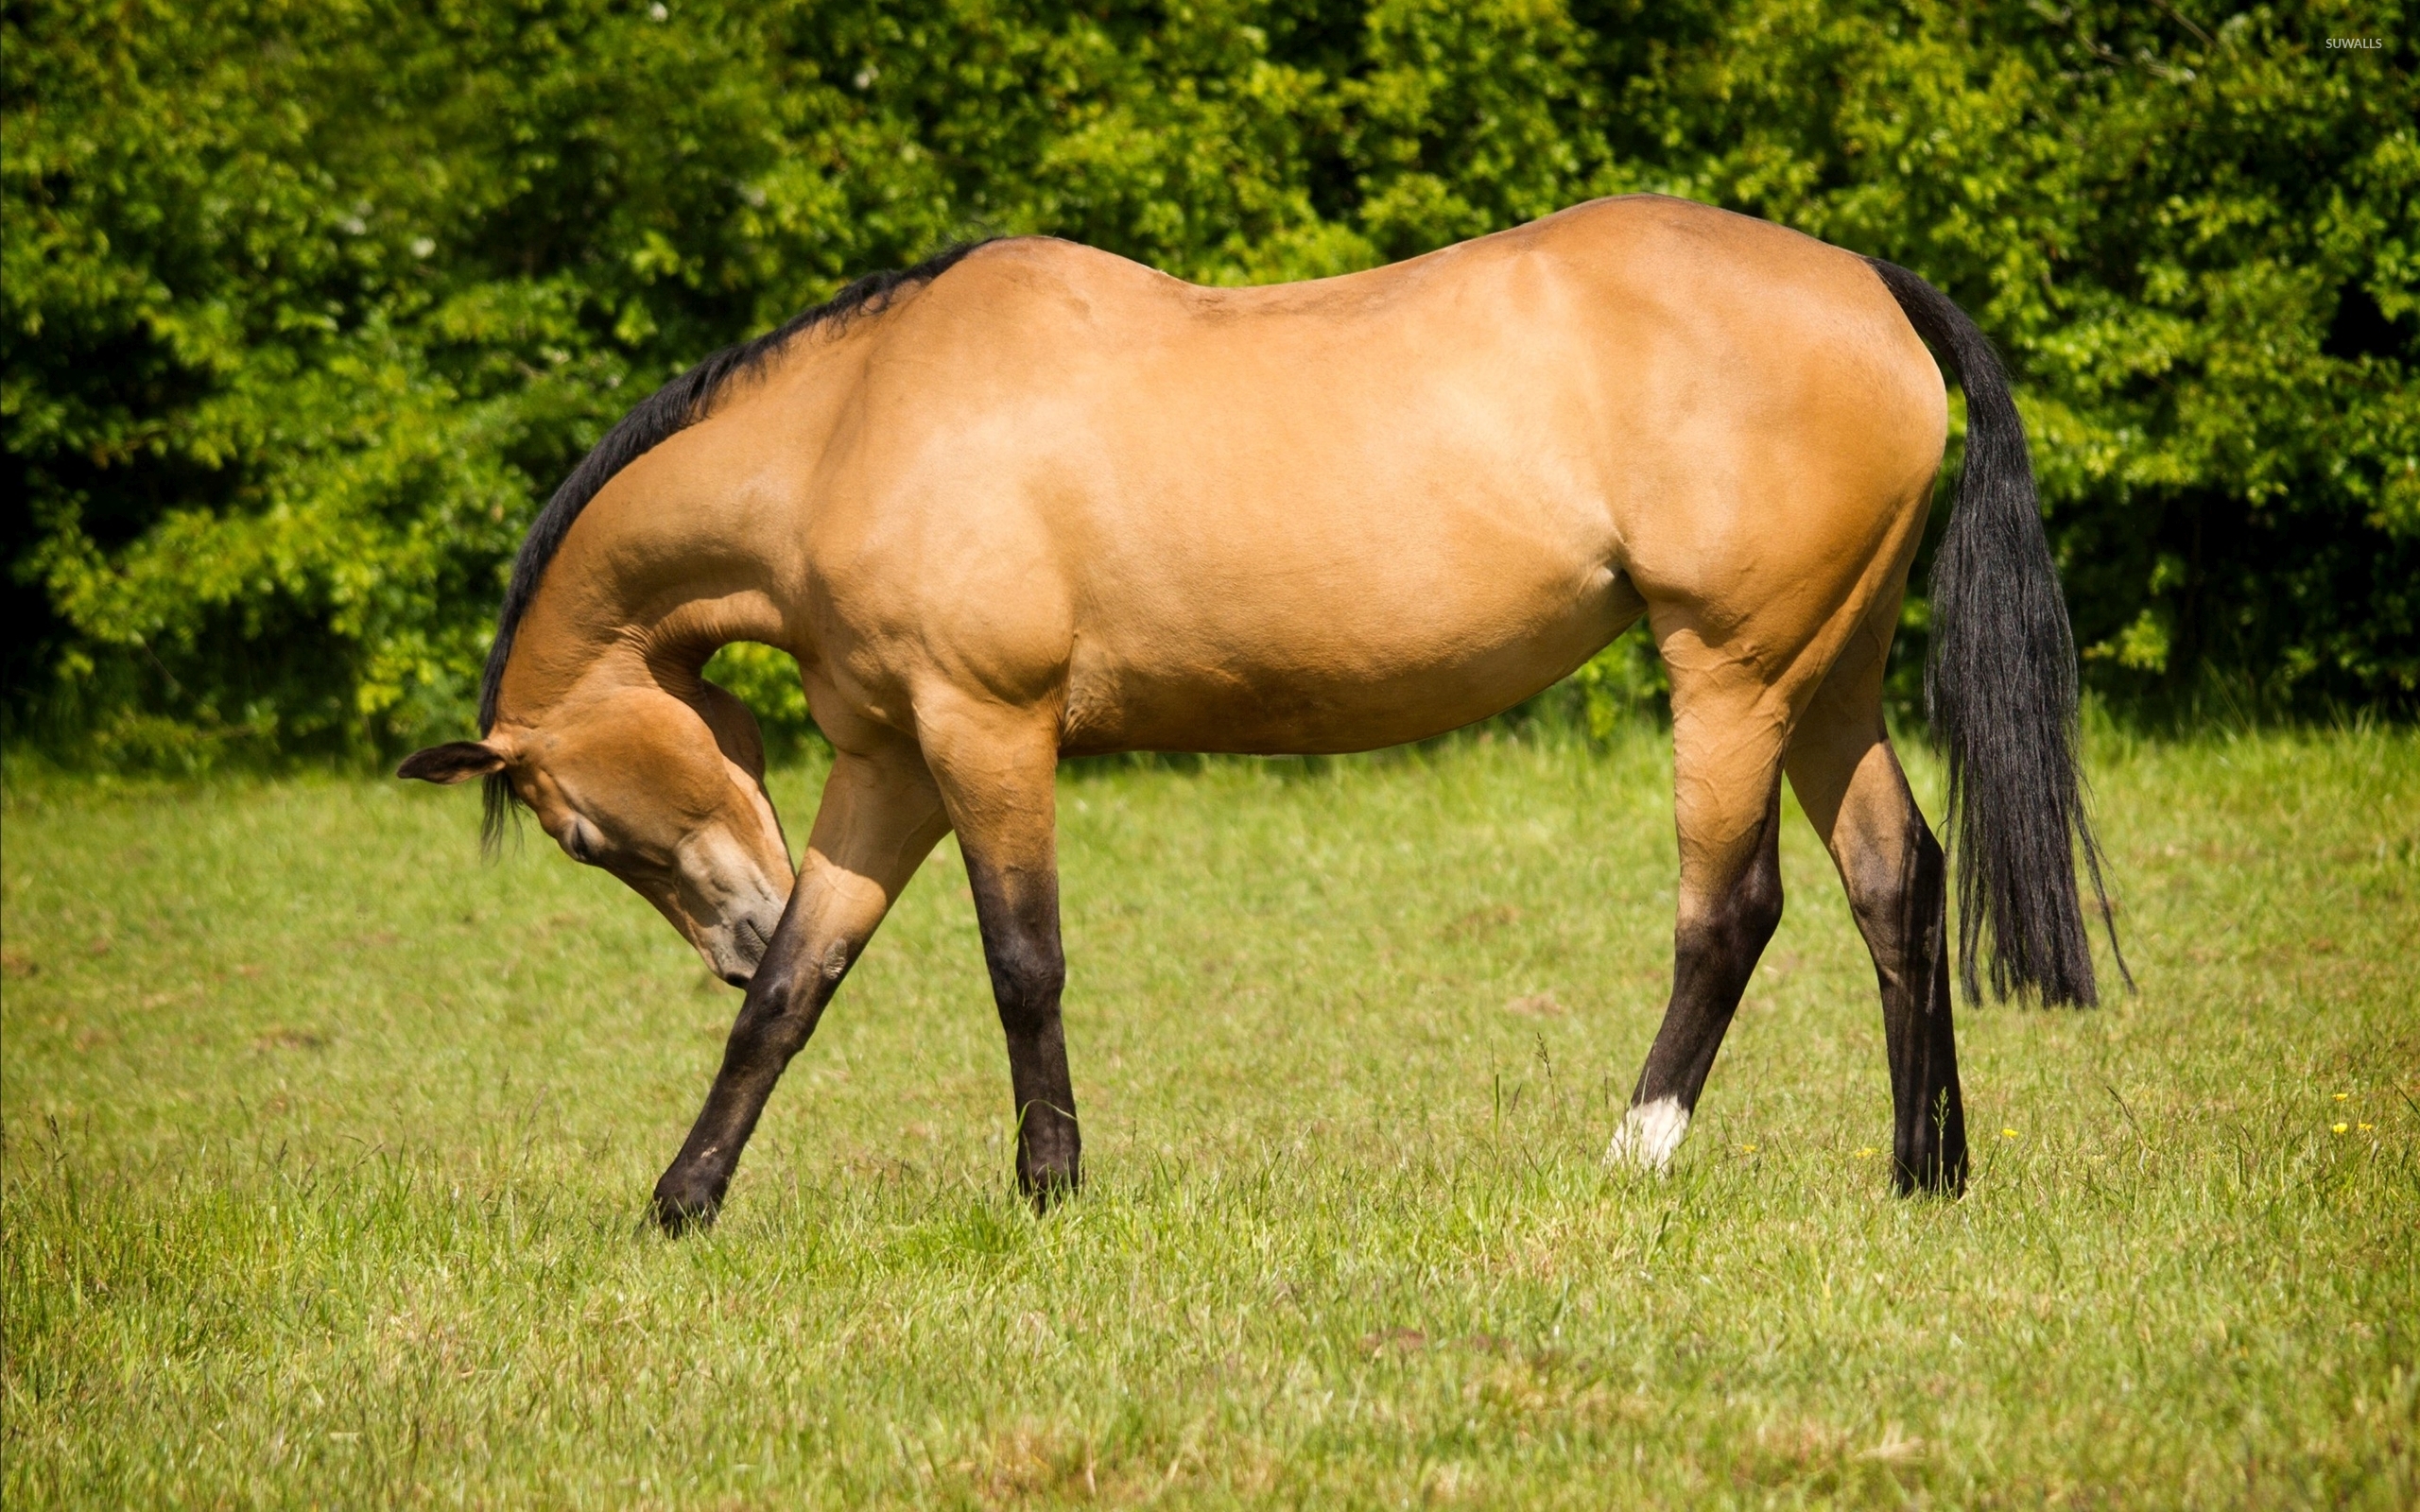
column 997, row 773
column 880, row 817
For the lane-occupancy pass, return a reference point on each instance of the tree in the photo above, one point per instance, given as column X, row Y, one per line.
column 304, row 308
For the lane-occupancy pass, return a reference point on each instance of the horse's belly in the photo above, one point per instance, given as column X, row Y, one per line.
column 1349, row 672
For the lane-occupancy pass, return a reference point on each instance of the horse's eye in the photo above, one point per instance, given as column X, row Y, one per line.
column 579, row 842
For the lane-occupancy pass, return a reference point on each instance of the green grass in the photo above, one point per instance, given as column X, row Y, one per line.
column 325, row 1146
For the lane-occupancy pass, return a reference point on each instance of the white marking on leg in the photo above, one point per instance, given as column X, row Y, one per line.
column 1648, row 1135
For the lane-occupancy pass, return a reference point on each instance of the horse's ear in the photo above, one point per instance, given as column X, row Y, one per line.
column 456, row 761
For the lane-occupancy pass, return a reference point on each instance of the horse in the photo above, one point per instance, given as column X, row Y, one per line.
column 1029, row 500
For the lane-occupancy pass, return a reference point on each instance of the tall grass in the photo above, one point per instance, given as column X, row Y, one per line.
column 325, row 1148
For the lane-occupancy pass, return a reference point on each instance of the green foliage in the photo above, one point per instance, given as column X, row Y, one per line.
column 766, row 680
column 303, row 308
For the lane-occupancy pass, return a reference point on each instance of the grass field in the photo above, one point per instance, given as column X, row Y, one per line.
column 325, row 1146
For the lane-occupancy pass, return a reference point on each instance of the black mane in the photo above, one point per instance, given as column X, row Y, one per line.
column 674, row 407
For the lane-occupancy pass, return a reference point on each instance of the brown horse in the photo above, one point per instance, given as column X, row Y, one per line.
column 1028, row 500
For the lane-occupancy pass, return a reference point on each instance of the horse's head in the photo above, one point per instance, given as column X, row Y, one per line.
column 665, row 792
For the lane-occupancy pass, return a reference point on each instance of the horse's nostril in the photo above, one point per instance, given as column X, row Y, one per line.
column 751, row 939
column 735, row 979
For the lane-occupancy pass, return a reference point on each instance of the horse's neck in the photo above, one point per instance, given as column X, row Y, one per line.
column 649, row 584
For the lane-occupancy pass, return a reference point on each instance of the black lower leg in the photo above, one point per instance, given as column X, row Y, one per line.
column 785, row 1001
column 1911, row 960
column 1019, row 913
column 1715, row 952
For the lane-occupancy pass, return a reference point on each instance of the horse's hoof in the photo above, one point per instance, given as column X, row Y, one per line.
column 676, row 1213
column 1045, row 1190
column 1647, row 1136
column 1931, row 1177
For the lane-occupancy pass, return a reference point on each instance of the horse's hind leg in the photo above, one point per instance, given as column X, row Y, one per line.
column 1727, row 732
column 997, row 772
column 1849, row 781
column 880, row 817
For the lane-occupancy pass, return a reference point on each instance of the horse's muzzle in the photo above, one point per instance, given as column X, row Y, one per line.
column 749, row 943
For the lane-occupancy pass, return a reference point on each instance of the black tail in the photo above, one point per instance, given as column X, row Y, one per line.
column 2000, row 690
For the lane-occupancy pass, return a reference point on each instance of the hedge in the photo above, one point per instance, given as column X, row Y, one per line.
column 307, row 305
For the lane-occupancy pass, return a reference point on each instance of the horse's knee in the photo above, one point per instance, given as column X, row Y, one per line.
column 780, row 1011
column 1028, row 975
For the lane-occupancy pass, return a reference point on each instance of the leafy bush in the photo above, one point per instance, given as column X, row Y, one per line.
column 307, row 306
